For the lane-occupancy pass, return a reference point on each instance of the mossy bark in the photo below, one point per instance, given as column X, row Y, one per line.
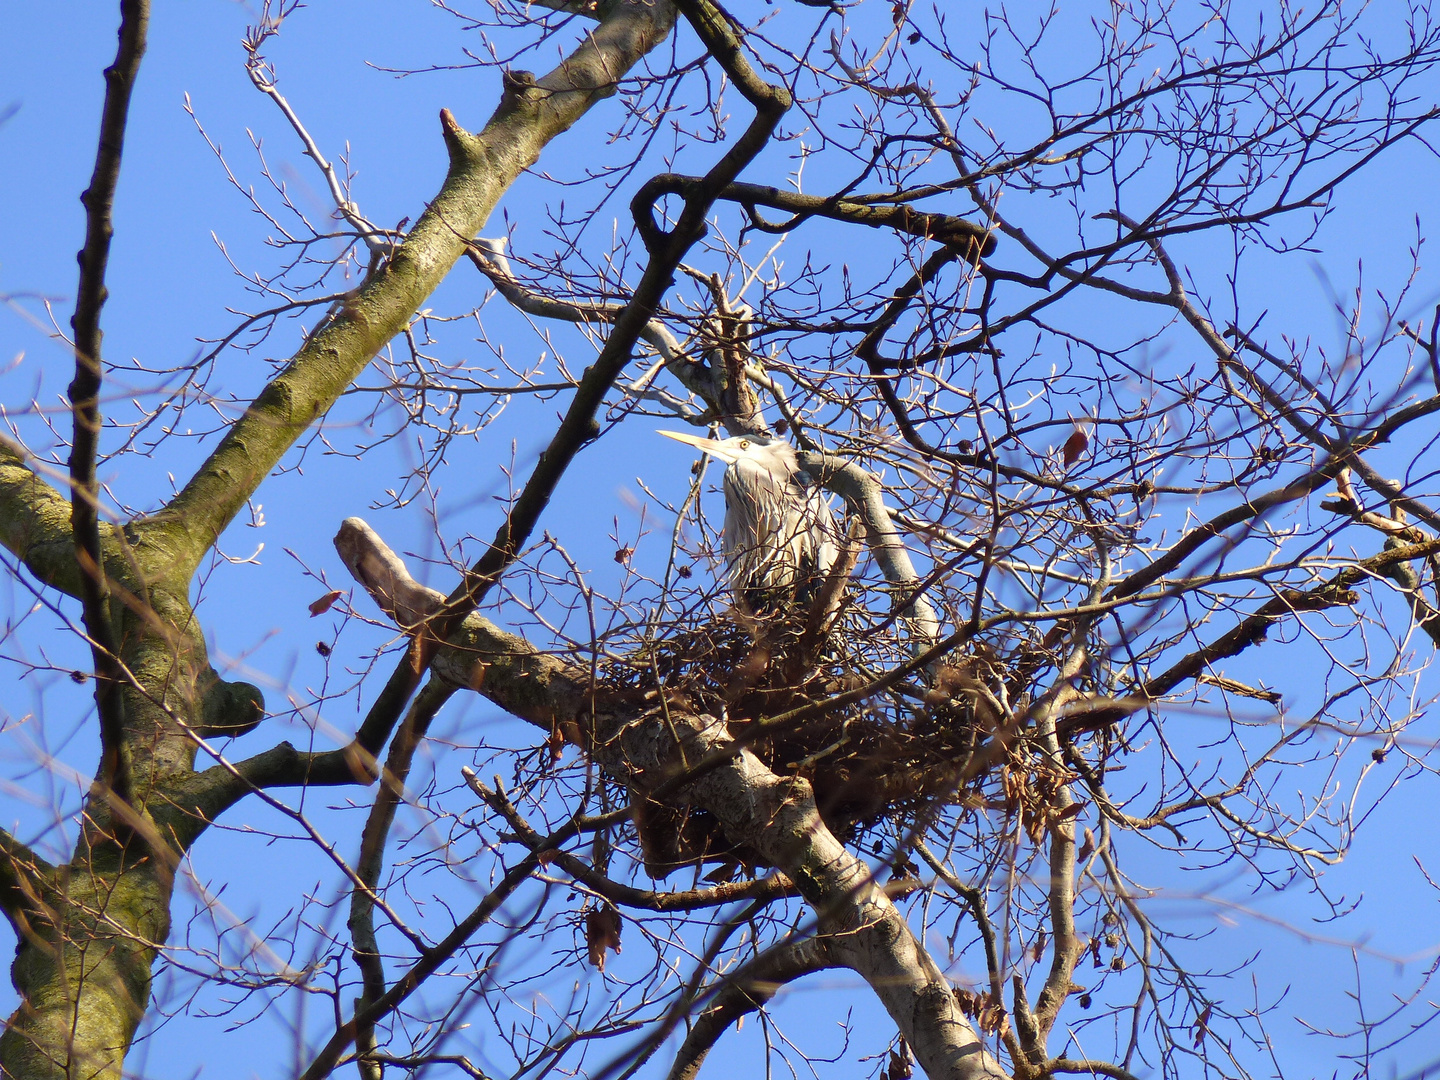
column 83, row 966
column 89, row 931
column 482, row 168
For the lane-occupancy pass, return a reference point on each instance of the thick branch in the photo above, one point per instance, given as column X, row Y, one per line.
column 35, row 523
column 667, row 250
column 773, row 887
column 579, row 424
column 774, row 815
column 970, row 240
column 206, row 795
column 1067, row 947
column 866, row 497
column 489, row 258
column 742, row 993
column 479, row 655
column 432, row 958
column 21, row 875
column 1337, row 591
column 98, row 199
column 428, row 963
column 372, row 858
column 482, row 167
column 384, row 576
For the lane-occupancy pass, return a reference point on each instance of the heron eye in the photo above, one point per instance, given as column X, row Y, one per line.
column 744, row 444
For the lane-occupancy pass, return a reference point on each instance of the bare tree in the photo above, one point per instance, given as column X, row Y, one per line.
column 989, row 271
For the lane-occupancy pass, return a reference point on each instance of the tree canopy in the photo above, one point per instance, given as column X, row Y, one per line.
column 1107, row 333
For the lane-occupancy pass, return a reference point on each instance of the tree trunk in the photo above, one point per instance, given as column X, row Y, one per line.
column 89, row 931
column 83, row 966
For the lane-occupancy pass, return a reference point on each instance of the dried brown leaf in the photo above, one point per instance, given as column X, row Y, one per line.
column 899, row 1067
column 602, row 932
column 319, row 607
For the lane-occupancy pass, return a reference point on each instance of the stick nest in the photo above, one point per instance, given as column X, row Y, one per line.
column 886, row 756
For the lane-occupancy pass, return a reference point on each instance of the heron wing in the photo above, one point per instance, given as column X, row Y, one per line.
column 780, row 534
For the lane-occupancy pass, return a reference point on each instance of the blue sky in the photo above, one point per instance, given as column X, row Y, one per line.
column 178, row 220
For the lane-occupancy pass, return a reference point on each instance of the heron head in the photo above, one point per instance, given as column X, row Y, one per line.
column 730, row 451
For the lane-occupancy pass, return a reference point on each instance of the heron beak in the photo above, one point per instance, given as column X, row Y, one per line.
column 708, row 446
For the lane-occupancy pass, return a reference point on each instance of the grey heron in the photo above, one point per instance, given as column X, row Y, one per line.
column 780, row 538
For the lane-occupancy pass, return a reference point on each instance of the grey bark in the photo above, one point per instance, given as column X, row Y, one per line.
column 89, row 931
column 653, row 749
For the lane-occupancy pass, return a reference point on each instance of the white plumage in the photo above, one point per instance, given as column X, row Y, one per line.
column 780, row 538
